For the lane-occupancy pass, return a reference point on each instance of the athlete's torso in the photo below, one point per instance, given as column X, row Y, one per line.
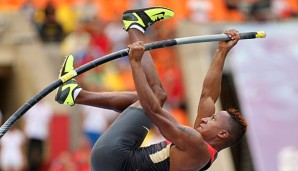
column 156, row 157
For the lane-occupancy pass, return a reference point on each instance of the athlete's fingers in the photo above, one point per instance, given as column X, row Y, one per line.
column 141, row 44
column 227, row 33
column 137, row 45
column 232, row 34
column 136, row 51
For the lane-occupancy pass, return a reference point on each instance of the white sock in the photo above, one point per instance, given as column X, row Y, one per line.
column 137, row 27
column 76, row 93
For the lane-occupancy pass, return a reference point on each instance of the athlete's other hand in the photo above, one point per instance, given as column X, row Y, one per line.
column 136, row 51
column 228, row 45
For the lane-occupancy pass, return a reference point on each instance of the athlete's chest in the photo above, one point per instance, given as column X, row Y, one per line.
column 181, row 161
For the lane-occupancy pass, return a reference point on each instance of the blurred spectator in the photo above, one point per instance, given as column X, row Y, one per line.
column 81, row 155
column 12, row 156
column 36, row 127
column 63, row 162
column 77, row 43
column 109, row 10
column 92, row 80
column 125, row 75
column 51, row 30
column 136, row 4
column 199, row 10
column 260, row 10
column 280, row 9
column 78, row 160
column 67, row 17
column 293, row 7
column 100, row 43
column 117, row 36
column 103, row 78
column 28, row 9
column 172, row 81
column 234, row 14
column 112, row 78
column 96, row 121
column 284, row 9
column 226, row 11
column 87, row 11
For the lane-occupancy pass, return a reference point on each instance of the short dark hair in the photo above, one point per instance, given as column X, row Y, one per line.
column 237, row 127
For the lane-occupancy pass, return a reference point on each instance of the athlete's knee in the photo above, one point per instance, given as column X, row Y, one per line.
column 100, row 157
column 107, row 157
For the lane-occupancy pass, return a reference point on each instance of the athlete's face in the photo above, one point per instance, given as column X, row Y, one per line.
column 213, row 126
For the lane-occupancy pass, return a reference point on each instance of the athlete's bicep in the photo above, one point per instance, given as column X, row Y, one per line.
column 206, row 107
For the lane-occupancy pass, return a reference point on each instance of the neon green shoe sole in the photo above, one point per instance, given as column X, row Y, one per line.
column 145, row 17
column 65, row 93
column 67, row 65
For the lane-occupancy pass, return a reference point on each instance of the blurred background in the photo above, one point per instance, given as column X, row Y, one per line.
column 259, row 76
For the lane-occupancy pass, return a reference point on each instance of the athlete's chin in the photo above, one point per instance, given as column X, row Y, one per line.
column 199, row 129
column 202, row 132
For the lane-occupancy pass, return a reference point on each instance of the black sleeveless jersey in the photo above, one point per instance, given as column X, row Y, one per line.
column 156, row 157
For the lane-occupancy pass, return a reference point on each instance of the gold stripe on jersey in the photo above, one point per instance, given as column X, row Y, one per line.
column 160, row 155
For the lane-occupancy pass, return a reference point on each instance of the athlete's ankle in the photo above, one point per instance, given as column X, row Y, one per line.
column 136, row 27
column 76, row 93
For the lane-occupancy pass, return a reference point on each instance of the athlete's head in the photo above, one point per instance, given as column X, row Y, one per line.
column 225, row 127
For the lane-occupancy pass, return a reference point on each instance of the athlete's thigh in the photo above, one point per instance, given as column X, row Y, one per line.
column 127, row 133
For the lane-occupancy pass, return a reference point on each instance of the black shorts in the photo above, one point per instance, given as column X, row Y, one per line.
column 114, row 150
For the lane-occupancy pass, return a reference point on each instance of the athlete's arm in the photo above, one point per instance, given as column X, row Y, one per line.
column 212, row 82
column 185, row 138
column 149, row 67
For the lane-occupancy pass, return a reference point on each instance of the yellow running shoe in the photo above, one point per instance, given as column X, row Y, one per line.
column 65, row 93
column 145, row 17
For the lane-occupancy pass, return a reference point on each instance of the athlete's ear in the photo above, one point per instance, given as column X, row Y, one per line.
column 223, row 134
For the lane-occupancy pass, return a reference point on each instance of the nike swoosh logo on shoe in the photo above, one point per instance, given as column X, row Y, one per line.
column 163, row 13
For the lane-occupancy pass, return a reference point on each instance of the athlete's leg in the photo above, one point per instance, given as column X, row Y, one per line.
column 148, row 67
column 115, row 148
column 136, row 22
column 121, row 100
column 70, row 93
column 142, row 19
column 117, row 101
